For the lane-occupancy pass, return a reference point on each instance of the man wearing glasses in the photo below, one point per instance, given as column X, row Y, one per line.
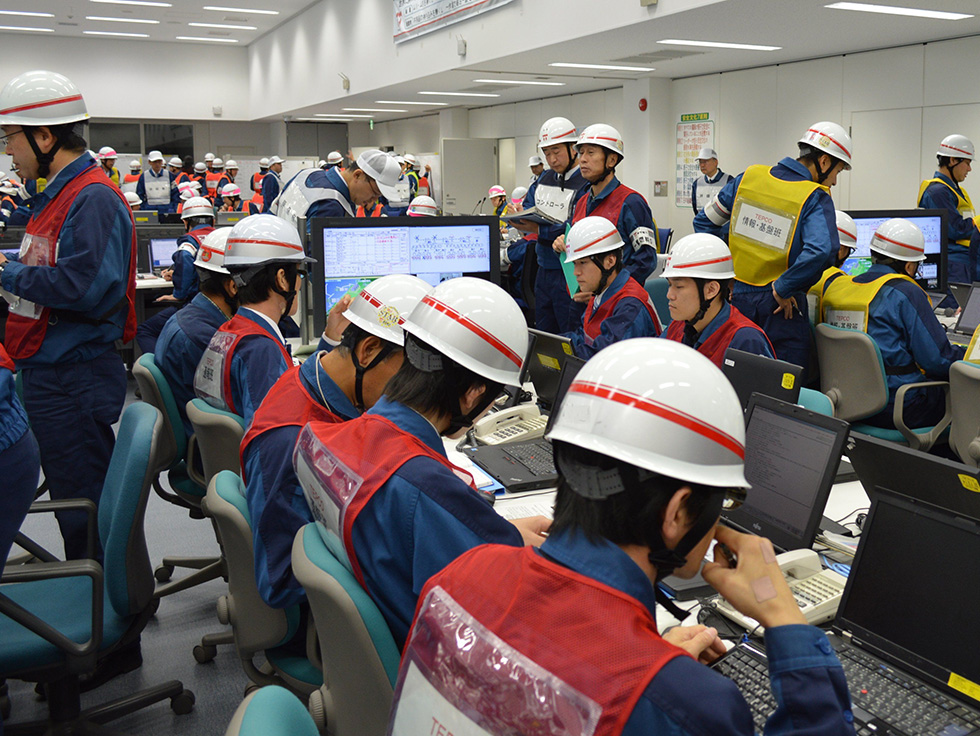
column 885, row 302
column 71, row 291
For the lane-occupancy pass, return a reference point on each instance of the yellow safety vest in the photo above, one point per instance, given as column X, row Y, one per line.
column 765, row 216
column 973, row 350
column 963, row 204
column 814, row 297
column 846, row 303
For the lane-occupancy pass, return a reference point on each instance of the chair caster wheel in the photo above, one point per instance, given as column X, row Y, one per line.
column 182, row 704
column 205, row 653
column 163, row 573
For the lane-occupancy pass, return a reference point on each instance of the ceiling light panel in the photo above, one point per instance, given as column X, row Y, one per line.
column 122, row 20
column 520, row 81
column 405, row 102
column 26, row 28
column 228, row 9
column 27, row 13
column 141, row 3
column 603, row 67
column 223, row 25
column 369, row 109
column 116, row 33
column 892, row 10
column 460, row 94
column 204, row 38
column 718, row 45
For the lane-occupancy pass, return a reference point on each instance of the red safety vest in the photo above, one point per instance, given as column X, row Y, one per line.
column 198, row 234
column 390, row 448
column 547, row 611
column 211, row 180
column 286, row 405
column 25, row 335
column 376, row 212
column 131, row 178
column 715, row 346
column 237, row 328
column 592, row 321
column 608, row 207
column 257, row 188
column 181, row 178
column 5, row 361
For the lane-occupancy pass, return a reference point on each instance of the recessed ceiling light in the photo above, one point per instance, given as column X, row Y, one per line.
column 892, row 10
column 369, row 109
column 719, row 45
column 319, row 120
column 28, row 13
column 460, row 94
column 518, row 81
column 223, row 25
column 607, row 67
column 199, row 38
column 338, row 115
column 121, row 20
column 26, row 28
column 114, row 33
column 241, row 10
column 143, row 3
column 406, row 102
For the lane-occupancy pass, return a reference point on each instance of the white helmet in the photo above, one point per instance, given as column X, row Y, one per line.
column 604, row 136
column 706, row 154
column 259, row 239
column 899, row 239
column 134, row 165
column 700, row 256
column 132, row 198
column 334, row 157
column 321, row 164
column 200, row 167
column 830, row 138
column 846, row 229
column 383, row 305
column 208, row 157
column 497, row 191
column 231, row 164
column 383, row 169
column 956, row 146
column 197, row 207
column 535, row 161
column 41, row 98
column 557, row 130
column 231, row 190
column 107, row 152
column 637, row 390
column 188, row 190
column 518, row 194
column 423, row 206
column 474, row 323
column 211, row 254
column 217, row 163
column 175, row 161
column 263, row 163
column 154, row 156
column 275, row 160
column 592, row 236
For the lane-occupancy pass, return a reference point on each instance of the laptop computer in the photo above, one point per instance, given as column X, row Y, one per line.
column 905, row 631
column 162, row 253
column 224, row 219
column 968, row 320
column 527, row 466
column 750, row 373
column 146, row 217
column 791, row 458
column 546, row 355
column 961, row 293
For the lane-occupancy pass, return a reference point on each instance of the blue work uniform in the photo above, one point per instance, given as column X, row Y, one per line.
column 901, row 320
column 938, row 197
column 630, row 318
column 553, row 307
column 180, row 346
column 419, row 521
column 685, row 697
column 815, row 244
column 19, row 463
column 708, row 186
column 746, row 339
column 162, row 207
column 75, row 384
column 275, row 498
column 271, row 183
column 329, row 207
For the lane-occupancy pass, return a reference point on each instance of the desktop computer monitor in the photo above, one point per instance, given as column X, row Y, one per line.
column 932, row 223
column 353, row 252
column 162, row 253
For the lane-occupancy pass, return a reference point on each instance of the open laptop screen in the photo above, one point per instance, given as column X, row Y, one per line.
column 912, row 592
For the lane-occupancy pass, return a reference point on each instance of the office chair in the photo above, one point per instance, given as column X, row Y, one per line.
column 219, row 437
column 816, row 401
column 656, row 287
column 60, row 620
column 360, row 658
column 852, row 376
column 964, row 430
column 664, row 234
column 271, row 711
column 257, row 627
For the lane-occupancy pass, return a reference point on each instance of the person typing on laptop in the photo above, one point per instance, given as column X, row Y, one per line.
column 619, row 307
column 700, row 274
column 631, row 509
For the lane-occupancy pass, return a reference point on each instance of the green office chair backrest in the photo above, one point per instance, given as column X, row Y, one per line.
column 852, row 372
column 271, row 711
column 964, row 432
column 156, row 392
column 656, row 287
column 219, row 436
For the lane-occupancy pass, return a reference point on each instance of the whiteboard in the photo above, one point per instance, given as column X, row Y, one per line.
column 293, row 165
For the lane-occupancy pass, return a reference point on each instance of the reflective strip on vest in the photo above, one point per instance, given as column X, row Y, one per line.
column 764, row 219
column 963, row 204
column 846, row 303
column 973, row 351
column 295, row 200
column 708, row 190
column 157, row 189
column 554, row 201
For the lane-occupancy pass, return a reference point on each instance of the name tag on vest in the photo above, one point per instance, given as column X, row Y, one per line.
column 554, row 201
column 762, row 225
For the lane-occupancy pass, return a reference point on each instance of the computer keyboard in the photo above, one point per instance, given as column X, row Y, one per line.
column 535, row 456
column 897, row 703
column 750, row 673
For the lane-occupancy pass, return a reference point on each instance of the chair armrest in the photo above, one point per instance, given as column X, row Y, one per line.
column 74, row 504
column 47, row 571
column 925, row 440
column 35, row 549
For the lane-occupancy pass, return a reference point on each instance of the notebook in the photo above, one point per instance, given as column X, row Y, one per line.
column 750, row 373
column 969, row 317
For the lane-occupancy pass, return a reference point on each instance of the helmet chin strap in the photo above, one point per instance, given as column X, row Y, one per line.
column 690, row 332
column 44, row 160
column 360, row 370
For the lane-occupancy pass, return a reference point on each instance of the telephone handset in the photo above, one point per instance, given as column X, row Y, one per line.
column 817, row 591
column 519, row 423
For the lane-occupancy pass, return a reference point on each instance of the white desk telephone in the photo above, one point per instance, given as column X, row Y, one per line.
column 517, row 424
column 817, row 591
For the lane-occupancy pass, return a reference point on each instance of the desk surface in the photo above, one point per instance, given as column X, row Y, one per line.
column 151, row 281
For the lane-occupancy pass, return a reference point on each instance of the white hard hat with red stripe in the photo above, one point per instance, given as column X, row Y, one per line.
column 830, row 138
column 263, row 163
column 134, row 165
column 557, row 130
column 383, row 305
column 700, row 256
column 423, row 206
column 956, row 146
column 41, row 98
column 476, row 324
column 217, row 163
column 334, row 157
column 197, row 207
column 604, row 136
column 107, row 152
column 846, row 229
column 260, row 239
column 211, row 254
column 175, row 161
column 658, row 405
column 231, row 164
column 592, row 236
column 899, row 239
column 208, row 157
column 231, row 190
column 132, row 198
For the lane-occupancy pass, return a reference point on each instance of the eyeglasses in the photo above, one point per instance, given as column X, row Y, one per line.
column 5, row 138
column 734, row 497
column 375, row 189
